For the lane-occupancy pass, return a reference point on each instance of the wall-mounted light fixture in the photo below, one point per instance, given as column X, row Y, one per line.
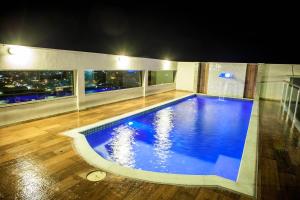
column 123, row 61
column 19, row 55
column 166, row 64
column 18, row 50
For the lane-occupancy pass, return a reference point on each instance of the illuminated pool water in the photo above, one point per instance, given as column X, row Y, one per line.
column 196, row 136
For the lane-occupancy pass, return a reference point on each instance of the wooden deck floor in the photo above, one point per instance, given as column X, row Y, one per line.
column 36, row 162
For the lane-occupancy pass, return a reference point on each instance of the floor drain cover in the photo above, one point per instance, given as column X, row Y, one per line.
column 96, row 176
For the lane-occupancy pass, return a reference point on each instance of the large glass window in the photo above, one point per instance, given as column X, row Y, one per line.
column 22, row 86
column 161, row 77
column 100, row 81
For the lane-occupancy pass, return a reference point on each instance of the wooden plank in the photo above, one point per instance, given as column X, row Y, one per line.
column 250, row 81
column 203, row 77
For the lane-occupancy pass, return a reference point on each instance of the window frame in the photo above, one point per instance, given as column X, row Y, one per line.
column 174, row 77
column 74, row 81
column 122, row 89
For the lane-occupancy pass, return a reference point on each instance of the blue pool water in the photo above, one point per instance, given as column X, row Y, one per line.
column 197, row 136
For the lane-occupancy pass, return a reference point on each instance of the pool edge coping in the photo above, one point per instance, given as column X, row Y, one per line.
column 246, row 181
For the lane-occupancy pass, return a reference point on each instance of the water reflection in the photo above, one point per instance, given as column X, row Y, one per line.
column 163, row 125
column 32, row 182
column 122, row 146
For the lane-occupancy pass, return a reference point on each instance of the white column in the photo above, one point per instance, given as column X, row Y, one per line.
column 80, row 88
column 196, row 72
column 145, row 82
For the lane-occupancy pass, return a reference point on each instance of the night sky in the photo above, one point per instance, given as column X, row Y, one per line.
column 182, row 33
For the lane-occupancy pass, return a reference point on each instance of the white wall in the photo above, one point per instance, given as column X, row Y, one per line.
column 235, row 86
column 33, row 110
column 272, row 77
column 53, row 59
column 42, row 58
column 187, row 76
column 186, row 79
column 154, row 89
column 96, row 99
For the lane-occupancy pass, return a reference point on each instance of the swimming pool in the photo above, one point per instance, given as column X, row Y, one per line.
column 195, row 140
column 199, row 135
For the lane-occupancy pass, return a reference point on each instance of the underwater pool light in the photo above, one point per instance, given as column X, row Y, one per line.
column 130, row 123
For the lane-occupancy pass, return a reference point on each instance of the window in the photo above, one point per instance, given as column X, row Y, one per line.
column 23, row 86
column 101, row 81
column 161, row 77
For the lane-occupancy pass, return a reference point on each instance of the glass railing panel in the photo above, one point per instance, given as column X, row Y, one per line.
column 285, row 85
column 293, row 99
column 298, row 111
column 288, row 94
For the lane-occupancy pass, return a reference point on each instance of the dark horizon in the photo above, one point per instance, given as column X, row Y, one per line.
column 185, row 34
